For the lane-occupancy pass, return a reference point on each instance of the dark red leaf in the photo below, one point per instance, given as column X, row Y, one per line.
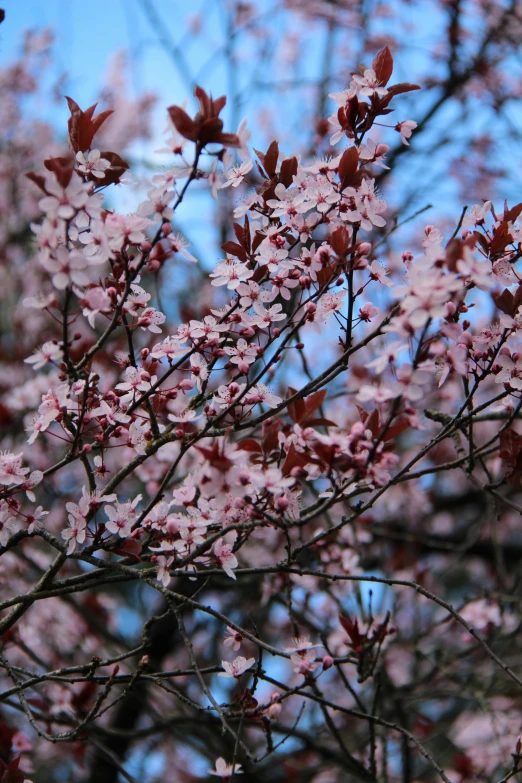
column 383, row 65
column 288, row 171
column 512, row 214
column 37, row 179
column 294, row 459
column 271, row 158
column 233, row 249
column 511, row 454
column 296, row 409
column 373, row 423
column 505, row 301
column 399, row 89
column 395, row 429
column 249, row 444
column 348, row 166
column 501, row 239
column 314, row 401
column 62, row 168
column 182, row 122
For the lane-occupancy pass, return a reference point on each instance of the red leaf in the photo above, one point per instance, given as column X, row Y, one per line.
column 314, row 401
column 288, row 171
column 340, row 241
column 294, row 459
column 373, row 423
column 270, row 435
column 233, row 249
column 271, row 158
column 501, row 239
column 249, row 444
column 396, row 429
column 399, row 89
column 217, row 458
column 352, row 629
column 511, row 454
column 296, row 409
column 348, row 166
column 182, row 122
column 512, row 214
column 6, row 738
column 62, row 168
column 12, row 774
column 505, row 301
column 320, row 422
column 37, row 179
column 117, row 168
column 82, row 127
column 383, row 65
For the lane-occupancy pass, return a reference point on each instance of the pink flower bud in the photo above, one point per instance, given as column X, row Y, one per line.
column 327, row 662
column 247, row 332
column 186, row 384
column 166, row 228
column 281, row 503
column 243, row 367
column 233, row 387
column 276, row 332
column 172, row 527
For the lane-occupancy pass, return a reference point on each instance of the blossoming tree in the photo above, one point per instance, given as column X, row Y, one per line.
column 277, row 538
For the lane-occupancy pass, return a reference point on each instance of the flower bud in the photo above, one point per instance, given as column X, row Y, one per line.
column 327, row 662
column 281, row 503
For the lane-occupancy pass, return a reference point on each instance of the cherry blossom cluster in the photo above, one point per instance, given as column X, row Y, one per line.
column 320, row 387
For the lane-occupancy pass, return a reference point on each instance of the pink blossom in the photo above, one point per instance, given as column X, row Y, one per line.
column 224, row 770
column 238, row 666
column 406, row 128
column 93, row 164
